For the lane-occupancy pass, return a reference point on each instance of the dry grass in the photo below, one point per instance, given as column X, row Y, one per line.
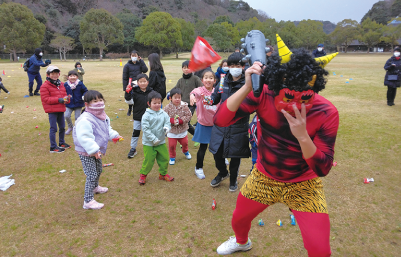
column 42, row 213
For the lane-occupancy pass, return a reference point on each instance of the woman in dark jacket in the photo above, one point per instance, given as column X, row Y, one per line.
column 222, row 69
column 157, row 79
column 393, row 77
column 232, row 141
column 133, row 68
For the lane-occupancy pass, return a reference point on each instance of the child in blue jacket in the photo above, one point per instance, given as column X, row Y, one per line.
column 76, row 89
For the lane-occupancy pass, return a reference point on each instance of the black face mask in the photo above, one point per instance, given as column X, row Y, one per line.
column 54, row 82
column 187, row 76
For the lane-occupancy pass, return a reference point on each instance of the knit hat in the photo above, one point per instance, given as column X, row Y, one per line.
column 320, row 45
column 397, row 49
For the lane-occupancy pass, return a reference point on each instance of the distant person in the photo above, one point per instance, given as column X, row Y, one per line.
column 236, row 50
column 222, row 69
column 35, row 62
column 268, row 54
column 319, row 52
column 392, row 79
column 2, row 87
column 157, row 79
column 80, row 71
column 199, row 73
column 131, row 70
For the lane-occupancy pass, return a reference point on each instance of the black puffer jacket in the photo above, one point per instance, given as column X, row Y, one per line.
column 157, row 81
column 140, row 101
column 131, row 70
column 234, row 137
column 393, row 70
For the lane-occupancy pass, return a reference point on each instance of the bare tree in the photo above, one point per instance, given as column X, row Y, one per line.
column 63, row 44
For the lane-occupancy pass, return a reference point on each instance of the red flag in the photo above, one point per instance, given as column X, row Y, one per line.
column 202, row 56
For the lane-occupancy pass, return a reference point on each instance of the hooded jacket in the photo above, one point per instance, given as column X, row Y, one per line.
column 35, row 62
column 131, row 70
column 140, row 99
column 184, row 116
column 153, row 124
column 157, row 81
column 234, row 137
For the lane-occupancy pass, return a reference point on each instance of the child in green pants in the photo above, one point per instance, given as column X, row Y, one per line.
column 155, row 124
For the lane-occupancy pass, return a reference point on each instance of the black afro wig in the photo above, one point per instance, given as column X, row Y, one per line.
column 294, row 74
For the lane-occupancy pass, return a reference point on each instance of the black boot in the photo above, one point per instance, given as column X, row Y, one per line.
column 36, row 93
column 129, row 110
column 30, row 93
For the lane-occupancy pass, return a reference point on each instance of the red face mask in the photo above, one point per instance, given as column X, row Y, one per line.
column 287, row 98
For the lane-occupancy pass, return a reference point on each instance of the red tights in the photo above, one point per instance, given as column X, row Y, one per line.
column 315, row 227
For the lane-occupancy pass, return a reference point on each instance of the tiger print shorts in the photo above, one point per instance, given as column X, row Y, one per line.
column 305, row 196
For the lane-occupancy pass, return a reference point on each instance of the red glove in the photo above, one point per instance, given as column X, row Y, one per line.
column 128, row 89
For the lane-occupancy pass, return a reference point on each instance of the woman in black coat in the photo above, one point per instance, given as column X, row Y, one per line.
column 157, row 79
column 133, row 68
column 393, row 76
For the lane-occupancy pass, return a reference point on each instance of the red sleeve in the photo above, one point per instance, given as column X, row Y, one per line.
column 172, row 121
column 324, row 140
column 180, row 122
column 224, row 117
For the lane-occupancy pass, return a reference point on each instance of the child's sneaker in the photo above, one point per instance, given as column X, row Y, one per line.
column 132, row 153
column 166, row 177
column 56, row 150
column 172, row 161
column 64, row 146
column 93, row 205
column 231, row 246
column 199, row 173
column 1, row 108
column 233, row 187
column 142, row 179
column 69, row 130
column 188, row 156
column 100, row 190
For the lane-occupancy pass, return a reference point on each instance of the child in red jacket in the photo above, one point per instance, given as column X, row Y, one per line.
column 54, row 98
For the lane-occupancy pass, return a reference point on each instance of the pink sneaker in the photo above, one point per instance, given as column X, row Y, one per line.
column 93, row 205
column 69, row 130
column 100, row 190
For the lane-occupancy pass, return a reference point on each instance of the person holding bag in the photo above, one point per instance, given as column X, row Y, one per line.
column 393, row 77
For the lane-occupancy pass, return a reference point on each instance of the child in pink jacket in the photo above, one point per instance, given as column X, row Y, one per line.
column 205, row 115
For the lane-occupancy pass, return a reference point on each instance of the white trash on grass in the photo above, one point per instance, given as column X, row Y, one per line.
column 6, row 182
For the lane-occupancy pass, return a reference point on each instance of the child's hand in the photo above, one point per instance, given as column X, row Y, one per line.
column 128, row 89
column 118, row 139
column 97, row 155
column 176, row 122
column 192, row 99
column 156, row 142
column 62, row 101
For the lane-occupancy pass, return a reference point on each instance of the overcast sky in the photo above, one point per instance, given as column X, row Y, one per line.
column 296, row 10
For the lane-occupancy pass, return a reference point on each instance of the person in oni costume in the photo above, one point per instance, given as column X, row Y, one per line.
column 296, row 133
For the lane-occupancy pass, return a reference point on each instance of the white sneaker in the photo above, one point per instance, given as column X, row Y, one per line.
column 172, row 161
column 231, row 246
column 100, row 190
column 93, row 205
column 199, row 173
column 188, row 156
column 227, row 162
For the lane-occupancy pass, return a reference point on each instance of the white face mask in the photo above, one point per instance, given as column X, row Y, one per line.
column 134, row 59
column 396, row 54
column 40, row 54
column 319, row 49
column 225, row 69
column 236, row 72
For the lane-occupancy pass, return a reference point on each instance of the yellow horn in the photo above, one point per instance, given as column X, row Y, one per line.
column 324, row 60
column 312, row 82
column 283, row 50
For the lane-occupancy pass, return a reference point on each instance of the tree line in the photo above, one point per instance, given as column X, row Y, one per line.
column 99, row 30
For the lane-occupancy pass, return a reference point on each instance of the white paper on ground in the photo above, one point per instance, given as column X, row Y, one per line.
column 6, row 182
column 62, row 171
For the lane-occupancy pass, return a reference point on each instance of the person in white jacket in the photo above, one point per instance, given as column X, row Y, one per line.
column 91, row 134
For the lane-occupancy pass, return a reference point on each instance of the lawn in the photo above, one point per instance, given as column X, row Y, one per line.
column 42, row 213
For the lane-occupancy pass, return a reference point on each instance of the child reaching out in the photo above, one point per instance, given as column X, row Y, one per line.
column 180, row 115
column 205, row 114
column 76, row 89
column 155, row 124
column 91, row 134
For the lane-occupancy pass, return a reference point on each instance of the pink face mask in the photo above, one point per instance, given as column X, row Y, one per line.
column 287, row 98
column 97, row 109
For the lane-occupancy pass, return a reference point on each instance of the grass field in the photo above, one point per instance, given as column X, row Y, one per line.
column 42, row 213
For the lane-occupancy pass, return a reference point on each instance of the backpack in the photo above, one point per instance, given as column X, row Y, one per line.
column 26, row 65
